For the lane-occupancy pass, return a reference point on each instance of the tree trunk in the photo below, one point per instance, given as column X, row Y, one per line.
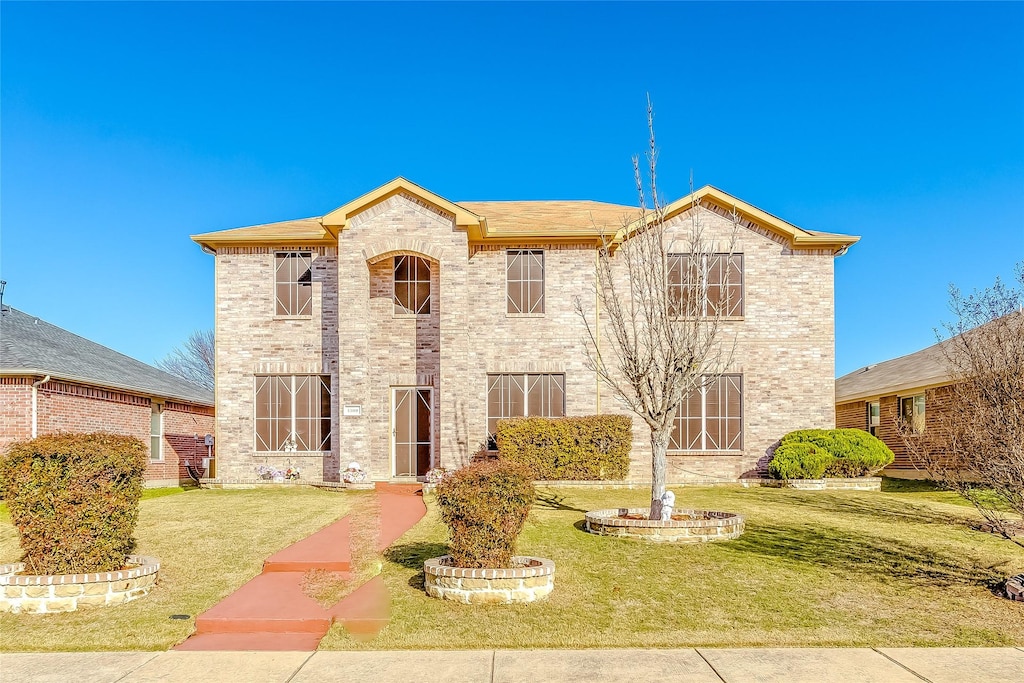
column 659, row 464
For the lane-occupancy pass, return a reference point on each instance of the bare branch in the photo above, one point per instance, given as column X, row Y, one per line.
column 194, row 360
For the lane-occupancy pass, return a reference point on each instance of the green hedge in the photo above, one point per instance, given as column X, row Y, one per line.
column 74, row 499
column 568, row 448
column 485, row 506
column 853, row 452
column 799, row 461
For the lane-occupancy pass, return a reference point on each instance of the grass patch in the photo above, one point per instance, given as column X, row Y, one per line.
column 148, row 494
column 209, row 543
column 813, row 569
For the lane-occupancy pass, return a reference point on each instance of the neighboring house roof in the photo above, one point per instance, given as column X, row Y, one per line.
column 31, row 346
column 925, row 368
column 515, row 220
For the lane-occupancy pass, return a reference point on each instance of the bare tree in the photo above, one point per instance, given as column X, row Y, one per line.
column 663, row 327
column 975, row 446
column 193, row 360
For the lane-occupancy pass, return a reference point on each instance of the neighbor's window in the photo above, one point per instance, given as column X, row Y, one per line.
column 156, row 433
column 912, row 410
column 293, row 278
column 719, row 276
column 412, row 285
column 523, row 395
column 524, row 280
column 873, row 417
column 710, row 418
column 293, row 413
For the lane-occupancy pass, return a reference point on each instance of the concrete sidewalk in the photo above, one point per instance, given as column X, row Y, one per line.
column 701, row 665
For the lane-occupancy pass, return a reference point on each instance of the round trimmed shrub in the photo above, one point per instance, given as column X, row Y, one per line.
column 485, row 506
column 857, row 453
column 74, row 499
column 799, row 461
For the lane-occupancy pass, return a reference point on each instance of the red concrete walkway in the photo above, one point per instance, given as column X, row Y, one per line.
column 271, row 612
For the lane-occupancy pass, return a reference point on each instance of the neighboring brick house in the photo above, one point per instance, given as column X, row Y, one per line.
column 397, row 329
column 915, row 386
column 54, row 381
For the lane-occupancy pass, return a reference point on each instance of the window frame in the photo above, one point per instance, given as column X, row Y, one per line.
column 917, row 417
column 156, row 418
column 736, row 307
column 706, row 445
column 533, row 308
column 524, row 379
column 416, row 262
column 293, row 418
column 296, row 284
column 873, row 416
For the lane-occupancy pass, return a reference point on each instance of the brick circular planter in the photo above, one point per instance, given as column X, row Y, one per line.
column 1015, row 587
column 703, row 525
column 29, row 594
column 527, row 583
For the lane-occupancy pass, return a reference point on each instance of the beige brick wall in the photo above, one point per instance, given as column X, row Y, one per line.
column 784, row 344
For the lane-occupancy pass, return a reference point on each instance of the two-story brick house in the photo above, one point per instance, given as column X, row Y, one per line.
column 397, row 329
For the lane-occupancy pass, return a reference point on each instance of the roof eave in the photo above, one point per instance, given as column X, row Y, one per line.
column 67, row 377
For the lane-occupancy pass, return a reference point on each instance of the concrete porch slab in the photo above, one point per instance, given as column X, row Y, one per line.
column 962, row 665
column 806, row 665
column 601, row 666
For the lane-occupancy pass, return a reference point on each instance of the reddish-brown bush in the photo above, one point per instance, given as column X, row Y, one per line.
column 485, row 506
column 74, row 499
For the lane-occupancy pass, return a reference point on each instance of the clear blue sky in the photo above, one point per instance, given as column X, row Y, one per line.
column 127, row 127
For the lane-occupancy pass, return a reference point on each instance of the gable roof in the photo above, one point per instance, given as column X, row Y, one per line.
column 798, row 237
column 31, row 346
column 515, row 220
column 924, row 368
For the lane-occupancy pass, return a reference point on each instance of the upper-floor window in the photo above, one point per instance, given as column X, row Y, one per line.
column 524, row 280
column 912, row 411
column 523, row 395
column 293, row 413
column 412, row 285
column 293, row 279
column 873, row 417
column 156, row 432
column 721, row 274
column 710, row 418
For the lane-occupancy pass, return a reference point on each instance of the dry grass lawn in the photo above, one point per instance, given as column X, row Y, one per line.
column 899, row 568
column 209, row 543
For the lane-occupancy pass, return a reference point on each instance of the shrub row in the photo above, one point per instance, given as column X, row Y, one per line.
column 568, row 448
column 74, row 499
column 485, row 506
column 817, row 453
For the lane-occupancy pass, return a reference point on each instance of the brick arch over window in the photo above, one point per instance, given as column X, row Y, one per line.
column 399, row 246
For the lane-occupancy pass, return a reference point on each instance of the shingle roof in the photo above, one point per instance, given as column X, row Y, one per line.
column 557, row 217
column 29, row 345
column 926, row 367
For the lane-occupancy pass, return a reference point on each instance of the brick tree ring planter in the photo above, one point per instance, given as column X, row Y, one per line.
column 532, row 579
column 692, row 526
column 28, row 594
column 1015, row 587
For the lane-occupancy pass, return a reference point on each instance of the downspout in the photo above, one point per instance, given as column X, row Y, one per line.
column 35, row 404
column 597, row 322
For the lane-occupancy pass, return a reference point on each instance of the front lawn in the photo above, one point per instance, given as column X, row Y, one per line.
column 209, row 543
column 813, row 569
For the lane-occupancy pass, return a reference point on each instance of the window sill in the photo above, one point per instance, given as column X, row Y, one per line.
column 525, row 315
column 724, row 319
column 410, row 316
column 305, row 454
column 703, row 453
column 293, row 317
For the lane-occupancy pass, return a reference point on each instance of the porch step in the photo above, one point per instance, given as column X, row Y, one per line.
column 366, row 610
column 270, row 603
column 259, row 642
column 327, row 549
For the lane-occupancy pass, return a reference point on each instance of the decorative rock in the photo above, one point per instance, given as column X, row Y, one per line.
column 1015, row 587
column 531, row 581
column 66, row 593
column 707, row 525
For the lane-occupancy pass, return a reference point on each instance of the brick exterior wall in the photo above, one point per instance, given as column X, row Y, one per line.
column 784, row 344
column 71, row 407
column 936, row 401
